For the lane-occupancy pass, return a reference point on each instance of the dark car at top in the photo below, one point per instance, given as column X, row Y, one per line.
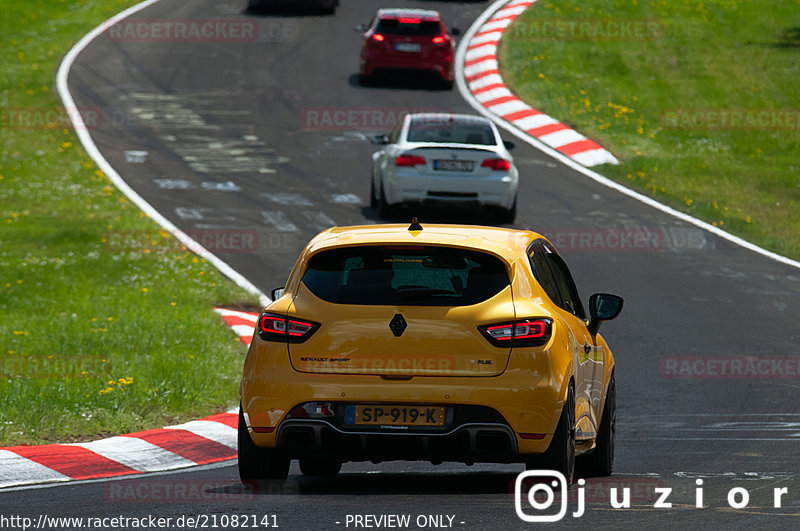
column 323, row 6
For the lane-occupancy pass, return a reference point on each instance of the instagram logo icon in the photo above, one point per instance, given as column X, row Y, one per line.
column 541, row 495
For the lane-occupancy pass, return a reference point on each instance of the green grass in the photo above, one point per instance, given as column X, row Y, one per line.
column 718, row 55
column 93, row 339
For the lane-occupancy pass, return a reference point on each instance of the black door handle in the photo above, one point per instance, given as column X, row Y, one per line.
column 586, row 348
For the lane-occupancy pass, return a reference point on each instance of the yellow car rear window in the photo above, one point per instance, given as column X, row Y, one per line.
column 405, row 275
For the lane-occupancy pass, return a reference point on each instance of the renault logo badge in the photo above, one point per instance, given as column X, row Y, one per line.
column 398, row 325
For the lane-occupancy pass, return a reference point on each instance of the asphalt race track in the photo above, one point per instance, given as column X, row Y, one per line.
column 248, row 138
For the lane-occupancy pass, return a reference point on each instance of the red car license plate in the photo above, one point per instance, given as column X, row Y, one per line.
column 408, row 47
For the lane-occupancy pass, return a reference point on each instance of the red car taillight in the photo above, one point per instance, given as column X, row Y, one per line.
column 377, row 37
column 519, row 333
column 496, row 164
column 409, row 160
column 439, row 40
column 273, row 327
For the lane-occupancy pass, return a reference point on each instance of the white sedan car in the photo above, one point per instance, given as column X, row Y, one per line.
column 444, row 159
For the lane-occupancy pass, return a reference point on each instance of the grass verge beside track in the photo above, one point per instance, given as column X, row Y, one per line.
column 95, row 338
column 682, row 103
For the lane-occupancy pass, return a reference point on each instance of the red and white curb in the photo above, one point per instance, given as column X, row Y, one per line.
column 242, row 323
column 198, row 442
column 485, row 83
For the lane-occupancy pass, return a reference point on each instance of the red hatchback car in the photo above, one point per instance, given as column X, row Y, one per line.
column 408, row 39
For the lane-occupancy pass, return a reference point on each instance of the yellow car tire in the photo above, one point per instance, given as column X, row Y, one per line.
column 600, row 462
column 560, row 455
column 259, row 464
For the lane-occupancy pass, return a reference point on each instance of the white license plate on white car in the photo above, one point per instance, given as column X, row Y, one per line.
column 454, row 165
column 408, row 47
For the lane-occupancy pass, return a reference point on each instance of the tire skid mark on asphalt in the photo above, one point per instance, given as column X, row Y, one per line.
column 288, row 198
column 179, row 122
column 279, row 220
column 319, row 220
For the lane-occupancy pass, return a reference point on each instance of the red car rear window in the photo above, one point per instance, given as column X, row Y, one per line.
column 408, row 27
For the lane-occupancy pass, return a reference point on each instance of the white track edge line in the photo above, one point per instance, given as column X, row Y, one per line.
column 522, row 135
column 91, row 148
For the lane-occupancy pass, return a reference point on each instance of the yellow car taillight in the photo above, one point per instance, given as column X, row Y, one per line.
column 273, row 327
column 518, row 333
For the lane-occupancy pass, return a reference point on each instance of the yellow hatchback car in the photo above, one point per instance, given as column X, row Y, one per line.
column 436, row 343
